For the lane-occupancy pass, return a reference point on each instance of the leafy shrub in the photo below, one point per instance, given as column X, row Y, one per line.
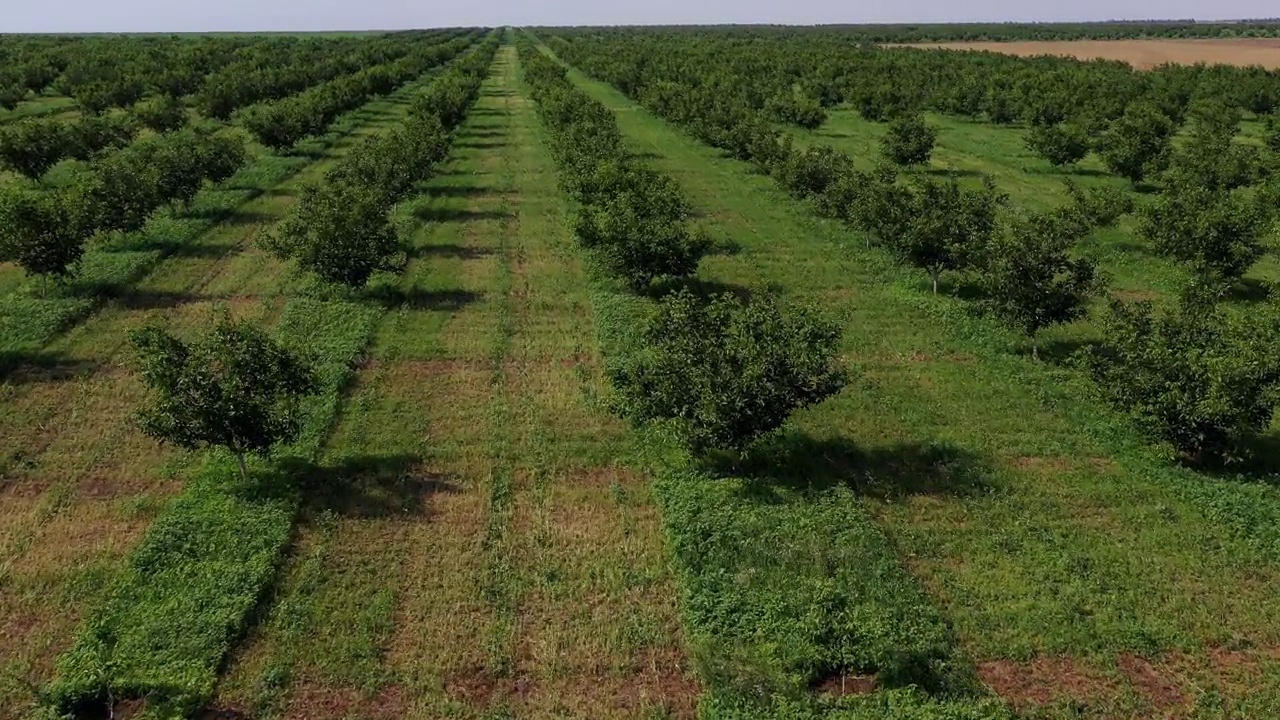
column 1101, row 206
column 11, row 95
column 1218, row 232
column 234, row 388
column 340, row 231
column 797, row 109
column 32, row 146
column 1271, row 133
column 1060, row 143
column 811, row 171
column 946, row 227
column 94, row 133
column 1030, row 278
column 38, row 231
column 1197, row 377
column 637, row 244
column 162, row 113
column 910, row 140
column 1137, row 144
column 1211, row 159
column 727, row 371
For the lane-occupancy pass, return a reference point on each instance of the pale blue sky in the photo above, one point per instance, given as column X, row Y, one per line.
column 207, row 15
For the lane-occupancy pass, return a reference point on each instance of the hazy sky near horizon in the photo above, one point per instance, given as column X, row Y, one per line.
column 211, row 15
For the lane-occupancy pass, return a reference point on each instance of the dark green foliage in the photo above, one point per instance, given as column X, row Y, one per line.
column 221, row 156
column 946, row 226
column 32, row 146
column 1219, row 232
column 161, row 113
column 1211, row 159
column 121, row 190
column 1060, row 143
column 341, row 232
column 1271, row 133
column 1198, row 377
column 639, row 242
column 11, row 95
column 797, row 109
column 1101, row 206
column 93, row 134
column 1137, row 145
column 1031, row 280
column 99, row 96
column 37, row 231
column 234, row 388
column 812, row 171
column 910, row 140
column 727, row 371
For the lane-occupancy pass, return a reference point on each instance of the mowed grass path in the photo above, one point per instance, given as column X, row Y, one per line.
column 1075, row 565
column 480, row 553
column 79, row 484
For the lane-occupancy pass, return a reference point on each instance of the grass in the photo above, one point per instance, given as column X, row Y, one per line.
column 1041, row 526
column 188, row 591
column 490, row 559
column 88, row 469
column 970, row 149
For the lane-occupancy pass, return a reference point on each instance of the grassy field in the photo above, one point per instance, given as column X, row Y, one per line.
column 468, row 532
column 972, row 150
column 1078, row 569
column 81, row 485
column 492, row 558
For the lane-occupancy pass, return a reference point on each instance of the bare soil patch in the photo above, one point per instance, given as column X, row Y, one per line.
column 1142, row 54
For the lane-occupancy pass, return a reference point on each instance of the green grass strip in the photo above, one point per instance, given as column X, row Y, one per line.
column 190, row 588
column 783, row 587
column 189, row 591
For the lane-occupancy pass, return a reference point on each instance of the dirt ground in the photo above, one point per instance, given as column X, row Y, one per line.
column 1143, row 54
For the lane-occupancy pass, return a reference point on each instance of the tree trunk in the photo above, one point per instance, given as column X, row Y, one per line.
column 244, row 471
column 1035, row 350
column 933, row 274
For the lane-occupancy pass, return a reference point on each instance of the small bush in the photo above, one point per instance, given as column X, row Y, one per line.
column 910, row 140
column 234, row 388
column 38, row 231
column 1031, row 280
column 1060, row 144
column 1218, row 232
column 1137, row 144
column 1100, row 206
column 341, row 232
column 638, row 242
column 162, row 113
column 1197, row 377
column 727, row 371
column 32, row 146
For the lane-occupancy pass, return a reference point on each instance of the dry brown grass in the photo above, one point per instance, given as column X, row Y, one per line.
column 1142, row 54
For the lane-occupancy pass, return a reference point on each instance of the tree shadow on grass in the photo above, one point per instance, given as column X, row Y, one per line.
column 700, row 287
column 460, row 191
column 951, row 172
column 480, row 144
column 1060, row 351
column 799, row 462
column 22, row 368
column 420, row 299
column 444, row 215
column 1250, row 290
column 369, row 486
column 461, row 252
